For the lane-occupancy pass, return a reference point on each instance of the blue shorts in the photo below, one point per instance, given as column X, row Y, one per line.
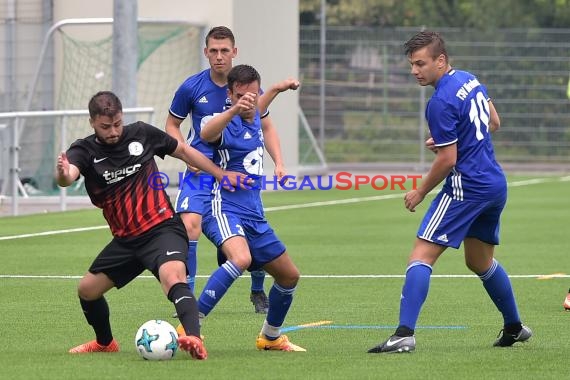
column 264, row 245
column 194, row 193
column 449, row 221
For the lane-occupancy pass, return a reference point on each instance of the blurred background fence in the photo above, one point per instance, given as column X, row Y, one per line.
column 374, row 110
column 374, row 107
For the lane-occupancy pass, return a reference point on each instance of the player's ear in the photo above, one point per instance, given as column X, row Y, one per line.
column 441, row 61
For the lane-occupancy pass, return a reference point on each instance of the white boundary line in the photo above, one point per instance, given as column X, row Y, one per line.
column 452, row 276
column 534, row 181
column 56, row 232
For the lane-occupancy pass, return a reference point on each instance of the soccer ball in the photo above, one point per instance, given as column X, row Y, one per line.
column 156, row 340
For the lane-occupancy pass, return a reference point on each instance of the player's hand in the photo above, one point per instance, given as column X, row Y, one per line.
column 430, row 144
column 232, row 180
column 412, row 199
column 246, row 103
column 287, row 84
column 62, row 165
column 280, row 172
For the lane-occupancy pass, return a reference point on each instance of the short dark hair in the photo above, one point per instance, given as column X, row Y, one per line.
column 433, row 40
column 220, row 33
column 104, row 103
column 242, row 74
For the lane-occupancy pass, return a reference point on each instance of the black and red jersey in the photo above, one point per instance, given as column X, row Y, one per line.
column 117, row 177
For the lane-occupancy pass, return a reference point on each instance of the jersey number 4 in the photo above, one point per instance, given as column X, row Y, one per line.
column 479, row 114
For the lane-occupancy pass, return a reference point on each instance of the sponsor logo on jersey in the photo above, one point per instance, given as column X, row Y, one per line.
column 120, row 174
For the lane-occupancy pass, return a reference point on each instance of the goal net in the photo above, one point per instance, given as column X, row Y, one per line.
column 167, row 54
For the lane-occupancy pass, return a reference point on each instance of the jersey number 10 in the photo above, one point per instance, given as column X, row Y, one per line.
column 479, row 113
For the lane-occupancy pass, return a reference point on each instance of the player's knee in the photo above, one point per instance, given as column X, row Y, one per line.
column 88, row 292
column 242, row 261
column 294, row 277
column 478, row 267
column 289, row 279
column 193, row 231
column 193, row 225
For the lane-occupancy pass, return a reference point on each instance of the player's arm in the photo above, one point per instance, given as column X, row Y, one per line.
column 273, row 146
column 430, row 144
column 172, row 127
column 193, row 157
column 494, row 120
column 268, row 96
column 66, row 173
column 212, row 130
column 443, row 163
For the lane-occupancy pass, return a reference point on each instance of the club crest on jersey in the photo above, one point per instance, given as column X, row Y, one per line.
column 135, row 148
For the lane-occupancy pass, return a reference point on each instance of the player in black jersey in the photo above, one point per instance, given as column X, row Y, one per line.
column 119, row 168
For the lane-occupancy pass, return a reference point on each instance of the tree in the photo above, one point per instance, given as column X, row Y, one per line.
column 481, row 14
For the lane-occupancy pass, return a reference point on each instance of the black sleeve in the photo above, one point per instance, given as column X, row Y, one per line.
column 162, row 142
column 78, row 155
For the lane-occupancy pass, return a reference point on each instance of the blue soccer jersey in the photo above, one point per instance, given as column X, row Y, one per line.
column 240, row 150
column 201, row 98
column 458, row 113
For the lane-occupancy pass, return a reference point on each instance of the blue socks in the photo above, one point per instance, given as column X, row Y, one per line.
column 414, row 293
column 192, row 264
column 498, row 286
column 217, row 285
column 280, row 299
column 416, row 287
column 257, row 278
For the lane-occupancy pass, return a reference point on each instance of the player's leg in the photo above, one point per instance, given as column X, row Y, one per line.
column 286, row 277
column 479, row 259
column 257, row 296
column 414, row 293
column 269, row 253
column 164, row 255
column 193, row 224
column 441, row 227
column 238, row 259
column 416, row 283
column 479, row 245
column 191, row 199
column 114, row 266
column 96, row 311
column 172, row 276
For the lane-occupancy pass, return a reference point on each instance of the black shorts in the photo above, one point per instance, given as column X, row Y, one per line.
column 123, row 259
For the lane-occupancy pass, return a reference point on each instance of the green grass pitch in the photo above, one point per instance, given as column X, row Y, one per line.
column 351, row 248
